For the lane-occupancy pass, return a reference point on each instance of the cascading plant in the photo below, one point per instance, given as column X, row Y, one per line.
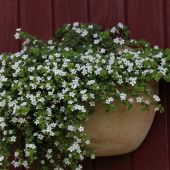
column 48, row 90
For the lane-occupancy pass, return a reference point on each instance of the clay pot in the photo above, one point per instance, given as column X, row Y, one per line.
column 119, row 132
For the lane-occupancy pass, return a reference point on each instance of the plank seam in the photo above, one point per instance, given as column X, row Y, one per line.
column 126, row 18
column 88, row 11
column 165, row 24
column 53, row 17
column 19, row 21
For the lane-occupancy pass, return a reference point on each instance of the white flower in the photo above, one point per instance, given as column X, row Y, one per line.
column 156, row 109
column 75, row 24
column 52, row 161
column 50, row 42
column 95, row 35
column 102, row 50
column 15, row 163
column 42, row 162
column 109, row 100
column 84, row 33
column 92, row 103
column 119, row 41
column 147, row 102
column 81, row 129
column 32, row 146
column 90, row 82
column 18, row 29
column 71, row 94
column 90, row 26
column 132, row 81
column 2, row 119
column 17, row 36
column 66, row 49
column 79, row 167
column 87, row 142
column 156, row 47
column 70, row 128
column 156, row 98
column 66, row 161
column 74, row 147
column 16, row 154
column 92, row 156
column 49, row 150
column 25, row 164
column 122, row 96
column 139, row 99
column 96, row 41
column 83, row 91
column 1, row 158
column 84, row 97
column 113, row 30
column 131, row 100
column 13, row 139
column 120, row 25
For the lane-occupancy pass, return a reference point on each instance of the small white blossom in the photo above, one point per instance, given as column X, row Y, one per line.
column 139, row 99
column 13, row 139
column 109, row 100
column 81, row 129
column 1, row 159
column 131, row 100
column 92, row 156
column 95, row 35
column 113, row 30
column 120, row 25
column 71, row 128
column 122, row 96
column 156, row 98
column 96, row 41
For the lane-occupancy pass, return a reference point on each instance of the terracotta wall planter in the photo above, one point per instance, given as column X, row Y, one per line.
column 119, row 132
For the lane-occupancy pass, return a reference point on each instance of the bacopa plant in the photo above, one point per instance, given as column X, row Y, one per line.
column 48, row 90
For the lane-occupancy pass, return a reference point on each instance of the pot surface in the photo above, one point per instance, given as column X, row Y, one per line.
column 119, row 132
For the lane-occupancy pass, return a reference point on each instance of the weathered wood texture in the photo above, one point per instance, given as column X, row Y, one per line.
column 148, row 19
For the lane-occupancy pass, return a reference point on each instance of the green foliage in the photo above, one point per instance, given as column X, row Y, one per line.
column 48, row 90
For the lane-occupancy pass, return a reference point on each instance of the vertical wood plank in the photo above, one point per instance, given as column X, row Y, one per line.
column 65, row 11
column 167, row 13
column 88, row 164
column 106, row 13
column 167, row 17
column 36, row 17
column 8, row 25
column 114, row 163
column 146, row 20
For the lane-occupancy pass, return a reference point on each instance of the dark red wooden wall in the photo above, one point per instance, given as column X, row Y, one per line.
column 149, row 19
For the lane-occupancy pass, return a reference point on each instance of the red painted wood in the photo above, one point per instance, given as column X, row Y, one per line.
column 36, row 17
column 146, row 20
column 107, row 13
column 88, row 164
column 167, row 13
column 149, row 19
column 8, row 25
column 65, row 11
column 113, row 163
